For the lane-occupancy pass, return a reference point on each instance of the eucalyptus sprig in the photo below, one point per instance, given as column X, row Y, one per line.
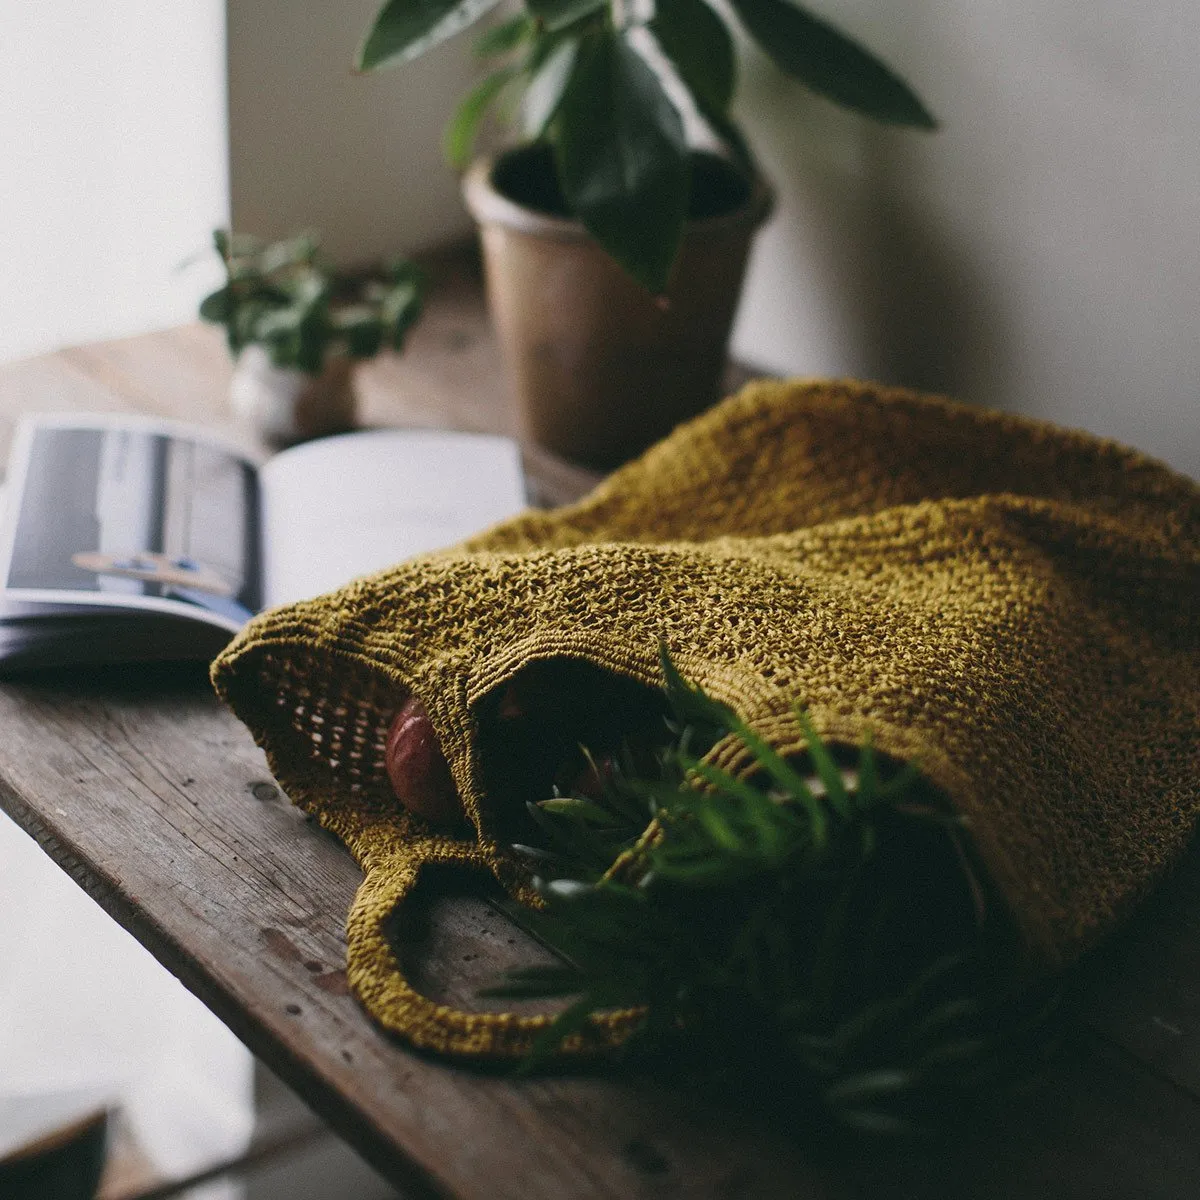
column 280, row 295
column 815, row 924
column 579, row 75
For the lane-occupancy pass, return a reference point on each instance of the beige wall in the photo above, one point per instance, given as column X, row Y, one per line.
column 1041, row 253
column 313, row 145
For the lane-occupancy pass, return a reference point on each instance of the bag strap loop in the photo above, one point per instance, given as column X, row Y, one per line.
column 376, row 975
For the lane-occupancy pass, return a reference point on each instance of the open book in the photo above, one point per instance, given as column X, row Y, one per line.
column 127, row 539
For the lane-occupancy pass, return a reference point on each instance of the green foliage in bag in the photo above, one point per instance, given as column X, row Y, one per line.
column 817, row 929
column 577, row 75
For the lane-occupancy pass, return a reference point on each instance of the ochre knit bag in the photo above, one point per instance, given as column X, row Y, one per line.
column 1013, row 606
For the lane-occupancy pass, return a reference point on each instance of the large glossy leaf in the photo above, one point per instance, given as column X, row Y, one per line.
column 730, row 133
column 830, row 63
column 506, row 36
column 622, row 160
column 698, row 44
column 558, row 14
column 546, row 88
column 405, row 29
column 458, row 142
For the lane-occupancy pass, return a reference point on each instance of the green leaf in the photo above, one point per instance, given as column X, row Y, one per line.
column 827, row 769
column 309, row 289
column 406, row 29
column 506, row 36
column 689, row 704
column 458, row 142
column 278, row 323
column 731, row 135
column 868, row 773
column 400, row 310
column 622, row 159
column 572, row 838
column 953, row 1053
column 697, row 42
column 538, row 857
column 216, row 306
column 575, row 1019
column 546, row 87
column 876, row 1123
column 313, row 341
column 756, row 808
column 885, row 1081
column 558, row 14
column 719, row 829
column 828, row 62
column 243, row 323
column 362, row 330
column 568, row 889
column 788, row 778
column 236, row 245
column 300, row 250
column 581, row 810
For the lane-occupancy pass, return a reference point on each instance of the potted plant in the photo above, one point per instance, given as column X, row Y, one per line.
column 295, row 328
column 614, row 243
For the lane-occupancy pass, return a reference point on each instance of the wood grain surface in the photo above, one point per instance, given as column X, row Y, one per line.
column 155, row 800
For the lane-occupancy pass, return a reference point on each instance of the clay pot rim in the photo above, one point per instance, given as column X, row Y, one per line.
column 488, row 206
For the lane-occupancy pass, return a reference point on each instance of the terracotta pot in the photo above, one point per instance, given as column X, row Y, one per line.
column 285, row 405
column 602, row 368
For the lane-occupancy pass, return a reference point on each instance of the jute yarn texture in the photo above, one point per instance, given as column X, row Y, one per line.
column 1010, row 605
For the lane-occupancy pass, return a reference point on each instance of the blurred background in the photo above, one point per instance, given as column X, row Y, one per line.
column 1041, row 253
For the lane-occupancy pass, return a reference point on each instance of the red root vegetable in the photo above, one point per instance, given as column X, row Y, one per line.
column 540, row 718
column 417, row 768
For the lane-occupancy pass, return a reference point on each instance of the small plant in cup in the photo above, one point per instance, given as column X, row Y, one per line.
column 295, row 326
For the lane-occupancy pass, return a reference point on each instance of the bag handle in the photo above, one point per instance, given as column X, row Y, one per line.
column 375, row 974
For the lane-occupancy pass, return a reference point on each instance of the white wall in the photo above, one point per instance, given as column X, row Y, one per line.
column 1041, row 253
column 113, row 153
column 314, row 146
column 112, row 140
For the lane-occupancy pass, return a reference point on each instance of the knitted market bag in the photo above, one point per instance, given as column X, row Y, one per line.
column 1011, row 605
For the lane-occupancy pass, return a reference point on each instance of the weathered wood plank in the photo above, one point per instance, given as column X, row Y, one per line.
column 157, row 803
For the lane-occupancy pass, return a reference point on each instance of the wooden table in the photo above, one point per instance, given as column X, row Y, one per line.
column 155, row 800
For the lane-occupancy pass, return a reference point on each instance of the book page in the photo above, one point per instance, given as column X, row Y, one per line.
column 119, row 512
column 346, row 506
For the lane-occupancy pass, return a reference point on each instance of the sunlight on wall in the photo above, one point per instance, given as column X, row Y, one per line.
column 112, row 136
column 113, row 140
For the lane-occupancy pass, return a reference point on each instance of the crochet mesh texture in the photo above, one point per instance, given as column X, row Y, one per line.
column 1011, row 605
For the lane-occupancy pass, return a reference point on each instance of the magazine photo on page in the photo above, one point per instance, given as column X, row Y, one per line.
column 127, row 539
column 130, row 516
